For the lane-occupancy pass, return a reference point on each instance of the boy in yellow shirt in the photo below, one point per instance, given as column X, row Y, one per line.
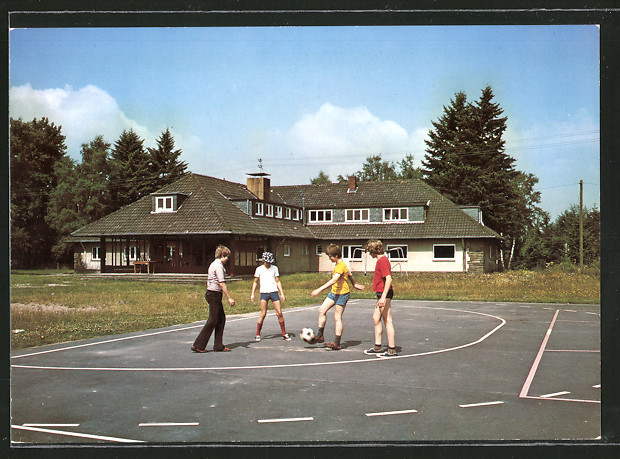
column 338, row 296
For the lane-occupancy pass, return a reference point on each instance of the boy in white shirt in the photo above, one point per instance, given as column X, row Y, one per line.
column 270, row 285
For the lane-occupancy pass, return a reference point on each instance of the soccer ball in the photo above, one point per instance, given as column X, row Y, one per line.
column 307, row 334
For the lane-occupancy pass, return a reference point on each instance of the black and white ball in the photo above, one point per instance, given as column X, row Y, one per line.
column 307, row 334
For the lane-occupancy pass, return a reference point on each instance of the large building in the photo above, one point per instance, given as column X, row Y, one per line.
column 177, row 228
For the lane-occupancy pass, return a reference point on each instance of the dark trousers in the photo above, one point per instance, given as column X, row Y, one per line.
column 216, row 321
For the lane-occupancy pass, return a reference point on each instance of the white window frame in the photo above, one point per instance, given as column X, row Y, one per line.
column 287, row 213
column 269, row 212
column 357, row 215
column 259, row 208
column 133, row 252
column 347, row 250
column 95, row 253
column 278, row 211
column 161, row 204
column 296, row 214
column 313, row 216
column 394, row 246
column 400, row 212
column 287, row 250
column 444, row 259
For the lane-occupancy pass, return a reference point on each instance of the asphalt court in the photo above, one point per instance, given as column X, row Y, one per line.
column 465, row 371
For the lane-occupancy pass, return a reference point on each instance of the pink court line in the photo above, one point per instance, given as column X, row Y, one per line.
column 76, row 434
column 531, row 397
column 570, row 350
column 530, row 376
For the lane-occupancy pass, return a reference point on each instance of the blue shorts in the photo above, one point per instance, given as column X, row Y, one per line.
column 273, row 296
column 340, row 300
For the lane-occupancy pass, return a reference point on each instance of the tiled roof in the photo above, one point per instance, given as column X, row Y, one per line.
column 209, row 209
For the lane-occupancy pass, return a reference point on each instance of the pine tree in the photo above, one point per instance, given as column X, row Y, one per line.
column 321, row 179
column 165, row 164
column 130, row 173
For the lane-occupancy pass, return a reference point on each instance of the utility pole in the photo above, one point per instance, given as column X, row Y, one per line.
column 581, row 223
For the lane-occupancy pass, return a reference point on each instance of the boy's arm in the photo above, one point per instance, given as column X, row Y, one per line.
column 386, row 289
column 327, row 284
column 280, row 289
column 253, row 289
column 357, row 286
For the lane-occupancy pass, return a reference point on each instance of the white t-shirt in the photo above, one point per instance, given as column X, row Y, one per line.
column 267, row 278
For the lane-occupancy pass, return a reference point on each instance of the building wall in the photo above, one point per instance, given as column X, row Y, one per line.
column 298, row 258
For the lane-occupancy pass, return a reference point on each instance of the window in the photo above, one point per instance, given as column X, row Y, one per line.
column 296, row 214
column 352, row 252
column 287, row 213
column 320, row 216
column 164, row 204
column 304, row 249
column 259, row 208
column 279, row 212
column 319, row 249
column 444, row 252
column 397, row 252
column 133, row 253
column 395, row 214
column 356, row 215
column 270, row 210
column 95, row 254
column 287, row 250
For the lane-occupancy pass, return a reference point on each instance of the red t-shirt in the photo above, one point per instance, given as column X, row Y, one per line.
column 382, row 269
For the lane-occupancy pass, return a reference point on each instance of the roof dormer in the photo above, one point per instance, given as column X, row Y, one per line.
column 167, row 202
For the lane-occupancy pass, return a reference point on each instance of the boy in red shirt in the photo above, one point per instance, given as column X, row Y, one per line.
column 382, row 286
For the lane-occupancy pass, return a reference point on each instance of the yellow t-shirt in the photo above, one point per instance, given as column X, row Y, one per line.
column 341, row 286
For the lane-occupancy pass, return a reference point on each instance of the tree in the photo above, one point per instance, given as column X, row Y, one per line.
column 35, row 148
column 377, row 169
column 165, row 164
column 563, row 236
column 130, row 172
column 466, row 161
column 407, row 170
column 81, row 195
column 321, row 179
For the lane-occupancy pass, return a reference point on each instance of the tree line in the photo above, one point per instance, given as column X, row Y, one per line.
column 465, row 160
column 52, row 195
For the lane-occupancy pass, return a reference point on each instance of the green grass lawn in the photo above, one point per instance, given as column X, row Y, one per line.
column 56, row 307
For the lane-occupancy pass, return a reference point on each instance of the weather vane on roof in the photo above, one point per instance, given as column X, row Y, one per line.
column 260, row 164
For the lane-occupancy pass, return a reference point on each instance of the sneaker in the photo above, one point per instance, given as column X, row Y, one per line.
column 332, row 346
column 373, row 351
column 286, row 337
column 388, row 353
column 257, row 338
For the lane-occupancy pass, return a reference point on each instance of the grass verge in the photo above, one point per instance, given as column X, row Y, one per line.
column 51, row 308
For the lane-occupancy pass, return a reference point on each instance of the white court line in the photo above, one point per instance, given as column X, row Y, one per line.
column 30, row 424
column 76, row 434
column 481, row 404
column 246, row 316
column 555, row 394
column 569, row 350
column 389, row 413
column 592, row 313
column 167, row 424
column 263, row 421
column 532, row 397
column 598, row 386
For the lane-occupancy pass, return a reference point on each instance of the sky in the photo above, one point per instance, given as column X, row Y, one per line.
column 301, row 100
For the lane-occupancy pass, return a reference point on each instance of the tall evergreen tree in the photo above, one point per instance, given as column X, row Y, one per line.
column 94, row 176
column 130, row 171
column 165, row 164
column 35, row 148
column 466, row 161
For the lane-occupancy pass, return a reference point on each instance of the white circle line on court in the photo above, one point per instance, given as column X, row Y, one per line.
column 285, row 365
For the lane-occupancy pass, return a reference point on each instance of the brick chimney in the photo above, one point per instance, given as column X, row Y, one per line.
column 352, row 184
column 259, row 184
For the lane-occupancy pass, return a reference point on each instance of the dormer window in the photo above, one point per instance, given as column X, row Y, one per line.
column 269, row 210
column 279, row 212
column 163, row 203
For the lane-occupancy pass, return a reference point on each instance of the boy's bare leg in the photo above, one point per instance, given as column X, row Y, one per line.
column 389, row 326
column 376, row 319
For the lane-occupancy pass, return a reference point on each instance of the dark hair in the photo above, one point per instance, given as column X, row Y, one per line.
column 334, row 250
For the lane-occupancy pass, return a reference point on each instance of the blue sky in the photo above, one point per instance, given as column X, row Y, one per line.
column 306, row 99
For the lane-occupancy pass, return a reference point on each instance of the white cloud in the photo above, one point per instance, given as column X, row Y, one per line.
column 337, row 140
column 83, row 113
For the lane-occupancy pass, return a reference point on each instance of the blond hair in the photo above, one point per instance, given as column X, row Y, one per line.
column 375, row 247
column 222, row 251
